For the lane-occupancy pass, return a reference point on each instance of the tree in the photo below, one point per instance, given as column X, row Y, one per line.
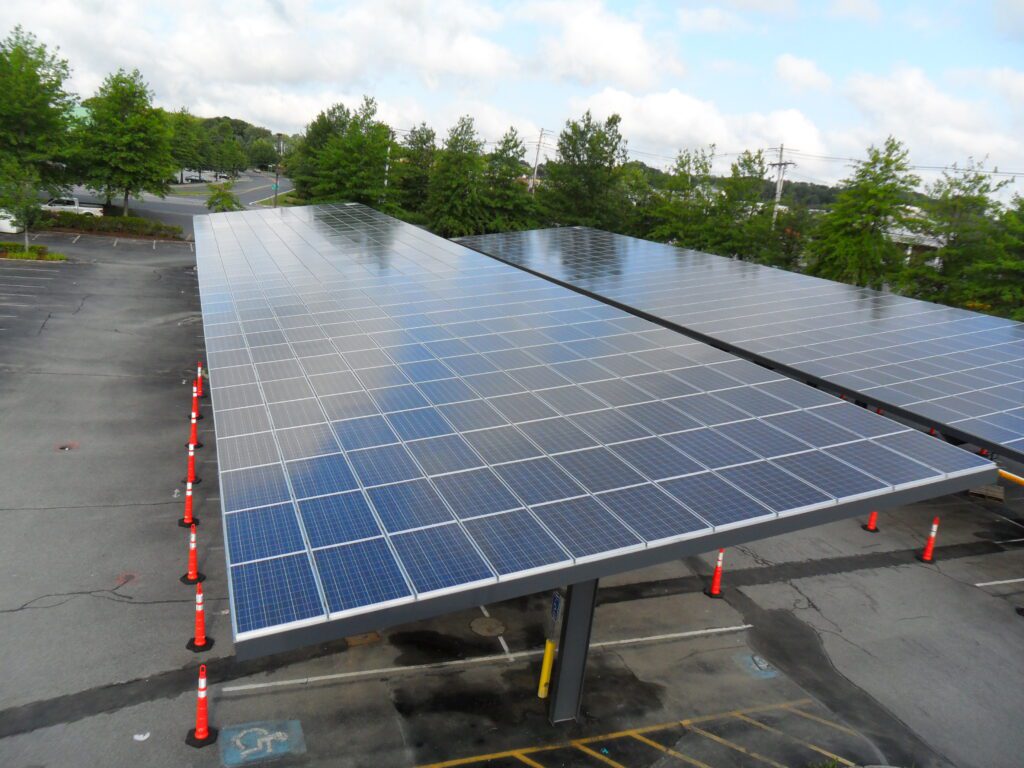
column 455, row 196
column 508, row 202
column 262, row 153
column 852, row 243
column 740, row 222
column 222, row 199
column 352, row 163
column 962, row 215
column 19, row 193
column 681, row 210
column 35, row 109
column 996, row 283
column 186, row 141
column 413, row 161
column 126, row 142
column 582, row 184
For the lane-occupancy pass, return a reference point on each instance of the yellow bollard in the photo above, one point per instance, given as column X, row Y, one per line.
column 1011, row 477
column 545, row 669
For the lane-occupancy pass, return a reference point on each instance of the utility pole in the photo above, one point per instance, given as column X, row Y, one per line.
column 536, row 162
column 277, row 168
column 781, row 165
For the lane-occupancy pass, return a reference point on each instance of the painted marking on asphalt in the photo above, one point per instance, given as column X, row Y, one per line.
column 76, row 239
column 794, row 708
column 154, row 245
column 115, row 242
column 596, row 755
column 734, row 746
column 514, row 656
column 668, row 751
column 819, row 750
column 505, row 648
column 997, row 583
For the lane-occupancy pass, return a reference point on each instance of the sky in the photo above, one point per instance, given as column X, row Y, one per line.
column 825, row 79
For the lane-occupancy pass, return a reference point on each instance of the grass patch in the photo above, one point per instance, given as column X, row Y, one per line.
column 284, row 200
column 126, row 226
column 34, row 252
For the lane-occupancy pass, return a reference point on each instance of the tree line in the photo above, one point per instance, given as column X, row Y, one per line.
column 114, row 142
column 952, row 241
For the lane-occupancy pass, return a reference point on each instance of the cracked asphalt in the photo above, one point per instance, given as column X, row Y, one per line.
column 920, row 666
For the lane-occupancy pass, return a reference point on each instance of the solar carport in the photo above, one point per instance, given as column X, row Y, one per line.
column 406, row 427
column 954, row 370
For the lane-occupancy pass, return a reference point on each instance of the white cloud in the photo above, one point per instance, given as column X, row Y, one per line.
column 597, row 46
column 1009, row 83
column 709, row 19
column 800, row 73
column 861, row 10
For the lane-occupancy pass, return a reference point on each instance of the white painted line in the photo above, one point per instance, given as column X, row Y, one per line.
column 483, row 610
column 76, row 239
column 154, row 245
column 997, row 583
column 475, row 660
column 1009, row 541
column 505, row 648
column 115, row 242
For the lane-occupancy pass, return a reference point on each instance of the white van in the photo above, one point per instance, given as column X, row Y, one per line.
column 7, row 224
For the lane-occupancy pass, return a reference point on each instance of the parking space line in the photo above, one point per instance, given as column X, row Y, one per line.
column 669, row 751
column 997, row 583
column 819, row 750
column 603, row 758
column 794, row 708
column 733, row 745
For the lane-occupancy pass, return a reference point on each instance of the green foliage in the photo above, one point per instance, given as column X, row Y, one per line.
column 35, row 108
column 582, row 186
column 223, row 199
column 508, row 203
column 996, row 283
column 262, row 153
column 456, row 203
column 960, row 213
column 32, row 253
column 683, row 206
column 186, row 141
column 19, row 193
column 413, row 161
column 114, row 225
column 126, row 142
column 852, row 244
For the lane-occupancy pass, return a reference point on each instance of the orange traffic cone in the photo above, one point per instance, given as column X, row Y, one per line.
column 188, row 520
column 872, row 524
column 200, row 642
column 195, row 402
column 715, row 590
column 193, row 575
column 202, row 734
column 193, row 435
column 928, row 555
column 199, row 377
column 190, row 475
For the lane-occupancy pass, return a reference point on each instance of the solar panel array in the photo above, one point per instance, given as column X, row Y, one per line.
column 939, row 365
column 400, row 418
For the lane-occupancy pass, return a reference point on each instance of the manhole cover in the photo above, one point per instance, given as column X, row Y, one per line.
column 485, row 626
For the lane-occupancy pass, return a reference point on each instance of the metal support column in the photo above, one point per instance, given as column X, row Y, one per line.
column 570, row 666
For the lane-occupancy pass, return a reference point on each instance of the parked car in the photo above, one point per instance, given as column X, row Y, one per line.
column 224, row 176
column 194, row 180
column 7, row 225
column 71, row 205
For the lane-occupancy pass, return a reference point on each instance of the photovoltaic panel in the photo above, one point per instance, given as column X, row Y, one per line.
column 956, row 370
column 407, row 426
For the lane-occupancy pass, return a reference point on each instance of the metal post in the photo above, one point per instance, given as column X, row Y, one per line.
column 570, row 666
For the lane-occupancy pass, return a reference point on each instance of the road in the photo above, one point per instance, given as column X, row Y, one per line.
column 180, row 208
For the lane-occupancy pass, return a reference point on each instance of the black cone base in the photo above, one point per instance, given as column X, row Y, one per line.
column 192, row 741
column 870, row 530
column 199, row 577
column 197, row 446
column 920, row 559
column 183, row 524
column 191, row 645
column 713, row 597
column 197, row 481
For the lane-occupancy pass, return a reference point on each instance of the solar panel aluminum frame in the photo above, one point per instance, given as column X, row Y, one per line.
column 793, row 372
column 545, row 579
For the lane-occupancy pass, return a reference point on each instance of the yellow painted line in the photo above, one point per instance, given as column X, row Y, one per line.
column 733, row 745
column 785, row 735
column 672, row 752
column 793, row 708
column 631, row 732
column 524, row 759
column 603, row 758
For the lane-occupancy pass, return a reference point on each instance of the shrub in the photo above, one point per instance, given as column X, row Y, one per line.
column 121, row 225
column 35, row 252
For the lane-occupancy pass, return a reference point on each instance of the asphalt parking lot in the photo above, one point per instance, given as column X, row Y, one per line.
column 830, row 645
